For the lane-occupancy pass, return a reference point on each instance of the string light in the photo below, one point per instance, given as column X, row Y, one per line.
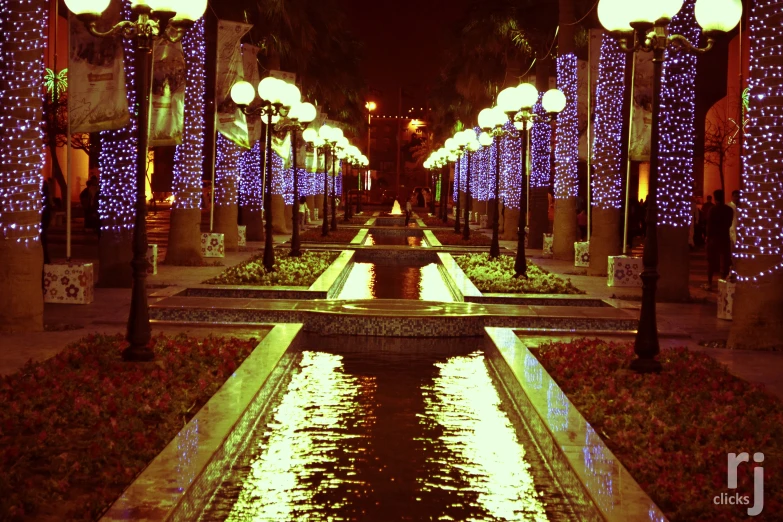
column 540, row 151
column 567, row 146
column 189, row 155
column 227, row 170
column 250, row 182
column 760, row 227
column 23, row 46
column 510, row 166
column 117, row 160
column 607, row 181
column 677, row 131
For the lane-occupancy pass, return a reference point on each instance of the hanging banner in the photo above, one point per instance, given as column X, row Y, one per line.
column 167, row 112
column 231, row 122
column 282, row 147
column 250, row 68
column 641, row 118
column 96, row 77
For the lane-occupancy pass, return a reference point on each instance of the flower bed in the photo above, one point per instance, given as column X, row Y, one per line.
column 452, row 238
column 673, row 431
column 289, row 271
column 497, row 276
column 341, row 235
column 434, row 221
column 76, row 429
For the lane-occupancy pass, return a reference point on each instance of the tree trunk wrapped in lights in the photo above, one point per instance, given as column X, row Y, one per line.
column 226, row 191
column 675, row 170
column 22, row 46
column 251, row 196
column 758, row 302
column 567, row 135
column 184, row 247
column 608, row 146
column 540, row 166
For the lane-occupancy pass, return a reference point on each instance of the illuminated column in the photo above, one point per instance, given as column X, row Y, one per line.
column 251, row 195
column 226, row 190
column 566, row 159
column 607, row 180
column 22, row 45
column 282, row 194
column 184, row 246
column 510, row 180
column 758, row 302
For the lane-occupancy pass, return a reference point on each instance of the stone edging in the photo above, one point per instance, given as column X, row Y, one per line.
column 180, row 480
column 596, row 482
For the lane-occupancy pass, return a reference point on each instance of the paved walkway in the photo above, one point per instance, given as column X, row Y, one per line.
column 108, row 314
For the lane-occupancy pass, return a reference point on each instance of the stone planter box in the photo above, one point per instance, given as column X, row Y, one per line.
column 582, row 253
column 484, row 221
column 152, row 259
column 624, row 271
column 242, row 235
column 212, row 245
column 725, row 299
column 548, row 244
column 69, row 283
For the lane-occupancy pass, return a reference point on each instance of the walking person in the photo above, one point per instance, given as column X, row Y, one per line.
column 408, row 212
column 302, row 212
column 719, row 219
column 734, row 203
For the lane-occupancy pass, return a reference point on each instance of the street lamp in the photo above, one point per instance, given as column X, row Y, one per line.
column 352, row 154
column 491, row 122
column 338, row 152
column 315, row 138
column 454, row 150
column 517, row 102
column 471, row 145
column 299, row 117
column 329, row 136
column 153, row 19
column 643, row 26
column 370, row 106
column 277, row 99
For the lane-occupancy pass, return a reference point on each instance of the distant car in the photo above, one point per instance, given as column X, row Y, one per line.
column 353, row 196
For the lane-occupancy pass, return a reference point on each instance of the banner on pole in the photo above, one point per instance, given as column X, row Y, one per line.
column 251, row 75
column 231, row 121
column 641, row 119
column 96, row 76
column 167, row 111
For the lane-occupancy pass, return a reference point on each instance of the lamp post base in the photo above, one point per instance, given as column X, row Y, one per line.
column 137, row 354
column 646, row 366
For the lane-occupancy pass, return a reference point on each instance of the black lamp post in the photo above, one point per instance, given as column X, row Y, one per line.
column 277, row 99
column 491, row 122
column 153, row 20
column 517, row 102
column 646, row 28
column 298, row 118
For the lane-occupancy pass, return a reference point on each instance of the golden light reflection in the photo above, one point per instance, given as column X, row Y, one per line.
column 300, row 462
column 433, row 288
column 360, row 283
column 486, row 455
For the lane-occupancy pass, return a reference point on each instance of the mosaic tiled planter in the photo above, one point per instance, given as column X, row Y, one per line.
column 242, row 235
column 315, row 214
column 624, row 271
column 152, row 259
column 484, row 221
column 68, row 284
column 212, row 245
column 548, row 243
column 725, row 299
column 582, row 253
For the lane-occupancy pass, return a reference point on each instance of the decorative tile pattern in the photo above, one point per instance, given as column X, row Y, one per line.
column 397, row 232
column 582, row 253
column 624, row 271
column 548, row 242
column 538, row 300
column 152, row 259
column 390, row 221
column 725, row 299
column 242, row 237
column 70, row 284
column 212, row 245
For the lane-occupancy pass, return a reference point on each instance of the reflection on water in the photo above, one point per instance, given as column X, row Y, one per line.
column 373, row 239
column 387, row 436
column 395, row 281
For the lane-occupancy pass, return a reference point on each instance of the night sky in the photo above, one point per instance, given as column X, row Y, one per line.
column 404, row 43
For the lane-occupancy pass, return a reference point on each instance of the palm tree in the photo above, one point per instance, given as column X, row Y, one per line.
column 21, row 255
column 185, row 230
column 758, row 302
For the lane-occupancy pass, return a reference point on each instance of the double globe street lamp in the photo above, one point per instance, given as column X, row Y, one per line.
column 640, row 25
column 277, row 100
column 169, row 20
column 491, row 121
column 517, row 103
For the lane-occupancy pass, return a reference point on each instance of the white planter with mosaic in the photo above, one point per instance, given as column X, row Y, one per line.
column 212, row 245
column 484, row 221
column 152, row 259
column 624, row 271
column 548, row 244
column 242, row 235
column 315, row 214
column 582, row 253
column 69, row 283
column 725, row 299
